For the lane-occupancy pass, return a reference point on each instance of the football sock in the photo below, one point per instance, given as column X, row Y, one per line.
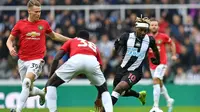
column 156, row 94
column 24, row 94
column 115, row 96
column 107, row 102
column 51, row 98
column 165, row 93
column 114, row 100
column 36, row 91
column 131, row 93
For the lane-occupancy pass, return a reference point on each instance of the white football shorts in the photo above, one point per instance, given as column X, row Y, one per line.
column 33, row 66
column 159, row 72
column 81, row 64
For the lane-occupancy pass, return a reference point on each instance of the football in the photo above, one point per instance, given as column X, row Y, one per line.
column 155, row 110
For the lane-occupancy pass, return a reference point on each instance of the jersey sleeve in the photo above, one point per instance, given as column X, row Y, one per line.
column 48, row 28
column 152, row 41
column 154, row 47
column 16, row 30
column 99, row 57
column 66, row 46
column 121, row 42
column 167, row 40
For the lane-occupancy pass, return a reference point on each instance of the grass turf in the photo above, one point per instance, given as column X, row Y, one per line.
column 116, row 109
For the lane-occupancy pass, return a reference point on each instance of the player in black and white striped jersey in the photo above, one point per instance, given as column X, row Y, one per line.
column 134, row 47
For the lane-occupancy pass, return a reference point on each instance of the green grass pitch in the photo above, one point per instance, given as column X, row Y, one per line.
column 116, row 109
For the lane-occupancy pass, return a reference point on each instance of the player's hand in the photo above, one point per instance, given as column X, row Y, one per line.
column 13, row 52
column 174, row 57
column 155, row 61
column 98, row 105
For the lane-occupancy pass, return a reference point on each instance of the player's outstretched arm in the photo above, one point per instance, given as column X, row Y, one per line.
column 54, row 65
column 58, row 37
column 10, row 46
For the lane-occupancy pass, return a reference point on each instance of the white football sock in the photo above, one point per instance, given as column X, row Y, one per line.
column 165, row 92
column 116, row 94
column 36, row 91
column 107, row 101
column 51, row 98
column 24, row 94
column 156, row 94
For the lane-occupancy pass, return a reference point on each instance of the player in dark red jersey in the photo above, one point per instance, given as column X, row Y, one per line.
column 84, row 59
column 157, row 71
column 32, row 46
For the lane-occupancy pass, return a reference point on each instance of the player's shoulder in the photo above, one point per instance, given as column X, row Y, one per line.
column 21, row 21
column 127, row 33
column 150, row 37
column 124, row 36
column 72, row 40
column 163, row 35
column 75, row 39
column 43, row 21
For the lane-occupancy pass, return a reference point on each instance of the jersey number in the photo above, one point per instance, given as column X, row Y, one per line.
column 84, row 43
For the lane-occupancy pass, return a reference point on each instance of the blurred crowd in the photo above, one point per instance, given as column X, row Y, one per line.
column 104, row 27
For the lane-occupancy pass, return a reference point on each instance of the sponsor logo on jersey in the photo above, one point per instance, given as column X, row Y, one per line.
column 32, row 35
column 134, row 52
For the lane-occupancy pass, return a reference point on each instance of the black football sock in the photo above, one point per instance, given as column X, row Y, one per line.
column 114, row 100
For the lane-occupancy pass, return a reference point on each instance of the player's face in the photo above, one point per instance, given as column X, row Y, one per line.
column 154, row 26
column 34, row 13
column 141, row 32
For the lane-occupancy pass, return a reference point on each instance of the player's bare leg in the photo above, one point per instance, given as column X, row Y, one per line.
column 51, row 92
column 128, row 92
column 119, row 89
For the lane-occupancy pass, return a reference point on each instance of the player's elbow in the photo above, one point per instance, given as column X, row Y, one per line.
column 8, row 43
column 52, row 35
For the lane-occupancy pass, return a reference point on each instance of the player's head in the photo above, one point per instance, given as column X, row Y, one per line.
column 154, row 26
column 34, row 9
column 83, row 34
column 142, row 26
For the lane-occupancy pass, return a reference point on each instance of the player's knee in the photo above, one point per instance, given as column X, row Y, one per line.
column 54, row 81
column 121, row 87
column 26, row 83
column 156, row 81
column 48, row 83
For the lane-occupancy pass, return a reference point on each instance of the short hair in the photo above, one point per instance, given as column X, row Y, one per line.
column 153, row 19
column 143, row 20
column 32, row 3
column 83, row 34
